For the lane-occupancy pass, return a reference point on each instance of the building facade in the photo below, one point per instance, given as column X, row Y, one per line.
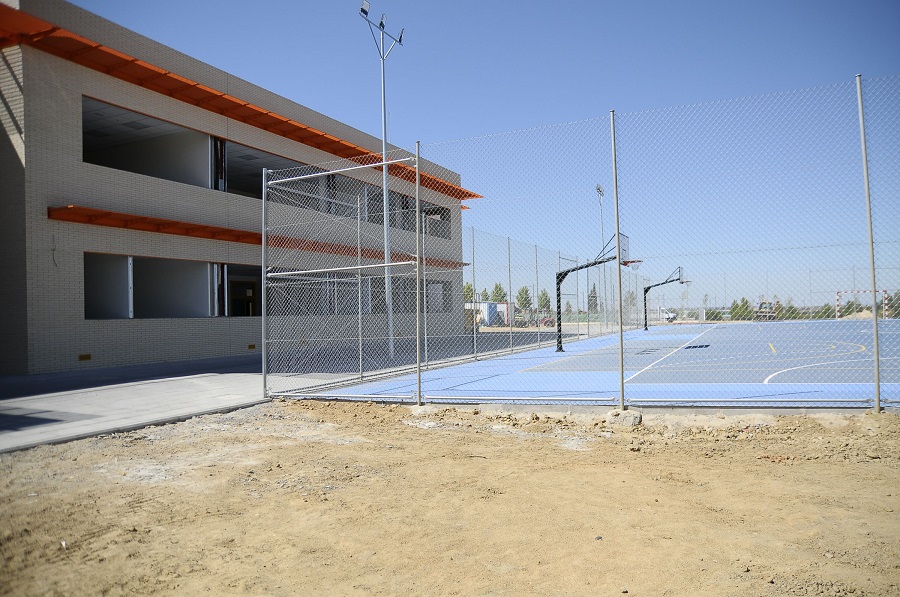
column 130, row 193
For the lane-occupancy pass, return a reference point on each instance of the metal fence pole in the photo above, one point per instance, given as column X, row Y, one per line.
column 420, row 244
column 865, row 165
column 425, row 228
column 265, row 280
column 359, row 342
column 612, row 126
column 587, row 277
column 537, row 290
column 577, row 304
column 509, row 306
column 475, row 309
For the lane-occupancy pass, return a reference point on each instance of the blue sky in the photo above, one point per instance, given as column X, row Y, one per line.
column 474, row 67
column 482, row 69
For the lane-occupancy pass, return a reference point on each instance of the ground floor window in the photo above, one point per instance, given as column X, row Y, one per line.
column 133, row 287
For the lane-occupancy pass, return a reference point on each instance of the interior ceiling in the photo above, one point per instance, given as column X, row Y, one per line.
column 245, row 165
column 106, row 126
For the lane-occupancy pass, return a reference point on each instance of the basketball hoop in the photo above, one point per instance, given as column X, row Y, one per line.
column 634, row 264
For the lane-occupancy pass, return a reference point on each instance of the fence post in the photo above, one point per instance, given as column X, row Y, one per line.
column 577, row 303
column 612, row 127
column 587, row 276
column 475, row 309
column 420, row 286
column 509, row 305
column 359, row 341
column 865, row 165
column 265, row 280
column 537, row 290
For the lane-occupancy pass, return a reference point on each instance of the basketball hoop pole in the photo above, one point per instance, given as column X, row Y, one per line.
column 560, row 276
column 673, row 277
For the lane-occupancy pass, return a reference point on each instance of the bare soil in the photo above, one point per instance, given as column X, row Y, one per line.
column 317, row 498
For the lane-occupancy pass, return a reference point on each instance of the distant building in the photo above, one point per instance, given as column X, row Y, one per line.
column 130, row 187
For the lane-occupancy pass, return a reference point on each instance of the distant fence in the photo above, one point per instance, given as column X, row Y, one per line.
column 763, row 202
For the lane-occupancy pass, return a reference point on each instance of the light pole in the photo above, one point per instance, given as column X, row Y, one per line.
column 382, row 54
column 603, row 240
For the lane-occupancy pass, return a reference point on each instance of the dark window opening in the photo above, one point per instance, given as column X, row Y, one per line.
column 114, row 137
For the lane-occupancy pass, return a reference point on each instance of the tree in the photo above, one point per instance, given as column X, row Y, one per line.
column 468, row 293
column 852, row 307
column 893, row 305
column 825, row 312
column 544, row 301
column 485, row 296
column 523, row 299
column 742, row 311
column 592, row 300
column 498, row 295
column 791, row 311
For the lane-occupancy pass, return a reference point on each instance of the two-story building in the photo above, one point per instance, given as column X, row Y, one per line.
column 130, row 198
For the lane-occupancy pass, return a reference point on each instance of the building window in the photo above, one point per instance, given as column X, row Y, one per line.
column 438, row 296
column 127, row 287
column 118, row 138
column 114, row 137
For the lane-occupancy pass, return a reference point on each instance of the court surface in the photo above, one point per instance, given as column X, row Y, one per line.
column 753, row 364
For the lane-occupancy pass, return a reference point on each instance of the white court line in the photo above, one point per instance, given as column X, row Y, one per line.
column 673, row 352
column 766, row 380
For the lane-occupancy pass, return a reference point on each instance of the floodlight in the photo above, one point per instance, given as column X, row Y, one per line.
column 381, row 22
column 400, row 39
column 364, row 9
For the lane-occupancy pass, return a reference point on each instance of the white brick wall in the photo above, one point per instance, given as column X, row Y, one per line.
column 51, row 297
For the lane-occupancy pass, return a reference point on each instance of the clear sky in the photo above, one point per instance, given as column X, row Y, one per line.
column 477, row 68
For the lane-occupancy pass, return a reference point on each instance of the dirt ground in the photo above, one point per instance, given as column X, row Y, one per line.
column 295, row 498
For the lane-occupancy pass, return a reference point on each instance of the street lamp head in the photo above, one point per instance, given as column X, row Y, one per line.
column 364, row 9
column 600, row 190
column 381, row 22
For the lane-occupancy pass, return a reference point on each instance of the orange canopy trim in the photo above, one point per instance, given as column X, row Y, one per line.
column 112, row 219
column 17, row 27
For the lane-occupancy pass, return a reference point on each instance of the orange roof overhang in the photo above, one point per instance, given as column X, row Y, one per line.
column 17, row 27
column 112, row 219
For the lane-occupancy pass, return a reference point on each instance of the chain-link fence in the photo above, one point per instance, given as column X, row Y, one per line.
column 762, row 204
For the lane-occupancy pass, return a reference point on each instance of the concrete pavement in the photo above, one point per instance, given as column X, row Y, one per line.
column 58, row 407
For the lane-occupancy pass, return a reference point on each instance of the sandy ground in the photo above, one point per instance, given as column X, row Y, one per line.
column 319, row 498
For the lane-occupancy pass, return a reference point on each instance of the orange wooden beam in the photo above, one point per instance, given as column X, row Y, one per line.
column 112, row 219
column 17, row 27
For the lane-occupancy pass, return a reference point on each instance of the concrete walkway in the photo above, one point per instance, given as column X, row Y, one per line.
column 52, row 408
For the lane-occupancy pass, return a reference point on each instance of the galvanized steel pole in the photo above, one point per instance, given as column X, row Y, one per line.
column 265, row 279
column 612, row 126
column 420, row 245
column 865, row 164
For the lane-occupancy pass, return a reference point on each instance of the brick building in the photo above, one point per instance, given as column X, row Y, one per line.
column 130, row 196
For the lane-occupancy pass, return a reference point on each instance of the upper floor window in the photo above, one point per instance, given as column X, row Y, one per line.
column 126, row 140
